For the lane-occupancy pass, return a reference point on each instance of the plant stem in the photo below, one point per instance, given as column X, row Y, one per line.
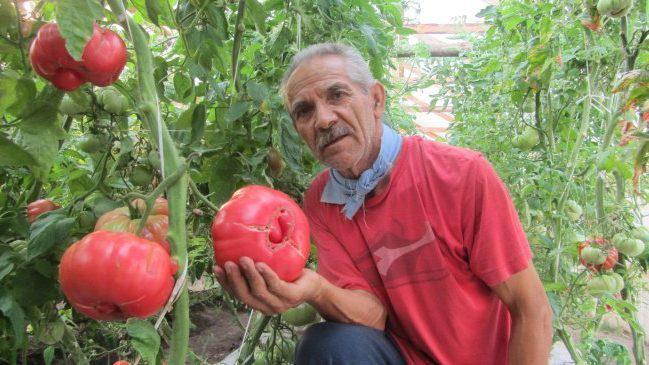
column 570, row 346
column 176, row 193
column 202, row 197
column 236, row 44
column 245, row 356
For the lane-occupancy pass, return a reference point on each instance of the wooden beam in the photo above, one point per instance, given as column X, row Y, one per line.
column 448, row 28
column 450, row 51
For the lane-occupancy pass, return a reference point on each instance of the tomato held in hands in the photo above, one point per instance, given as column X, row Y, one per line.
column 102, row 61
column 38, row 207
column 265, row 225
column 116, row 275
column 156, row 226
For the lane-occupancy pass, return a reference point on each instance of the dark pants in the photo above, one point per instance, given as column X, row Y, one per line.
column 341, row 344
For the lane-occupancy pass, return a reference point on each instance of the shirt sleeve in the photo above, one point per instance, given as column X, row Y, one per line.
column 493, row 233
column 334, row 262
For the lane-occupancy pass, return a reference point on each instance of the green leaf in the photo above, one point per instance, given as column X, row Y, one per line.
column 185, row 119
column 12, row 154
column 198, row 123
column 42, row 114
column 256, row 11
column 237, row 110
column 7, row 91
column 368, row 32
column 290, row 144
column 182, row 86
column 10, row 309
column 153, row 9
column 222, row 180
column 48, row 355
column 40, row 132
column 5, row 264
column 49, row 230
column 258, row 92
column 75, row 19
column 145, row 339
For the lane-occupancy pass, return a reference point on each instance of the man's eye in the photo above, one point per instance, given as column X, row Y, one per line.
column 337, row 94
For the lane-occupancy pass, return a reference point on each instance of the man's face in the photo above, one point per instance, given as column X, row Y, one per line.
column 340, row 123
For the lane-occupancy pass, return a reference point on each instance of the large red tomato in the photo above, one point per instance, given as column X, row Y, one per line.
column 102, row 61
column 156, row 226
column 609, row 251
column 38, row 207
column 265, row 225
column 116, row 275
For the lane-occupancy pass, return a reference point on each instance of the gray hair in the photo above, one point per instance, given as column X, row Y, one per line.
column 357, row 69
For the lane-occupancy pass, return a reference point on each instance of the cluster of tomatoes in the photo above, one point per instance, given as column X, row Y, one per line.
column 114, row 274
column 600, row 257
column 102, row 61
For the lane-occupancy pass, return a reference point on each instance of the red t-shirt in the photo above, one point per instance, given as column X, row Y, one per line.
column 429, row 247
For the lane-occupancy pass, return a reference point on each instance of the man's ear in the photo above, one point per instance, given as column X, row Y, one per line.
column 377, row 95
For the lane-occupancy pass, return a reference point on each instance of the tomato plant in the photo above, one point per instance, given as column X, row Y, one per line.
column 265, row 225
column 116, row 275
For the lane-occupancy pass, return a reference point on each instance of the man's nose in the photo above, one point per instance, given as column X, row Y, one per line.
column 325, row 116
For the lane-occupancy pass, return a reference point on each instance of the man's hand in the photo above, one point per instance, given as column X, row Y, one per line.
column 259, row 287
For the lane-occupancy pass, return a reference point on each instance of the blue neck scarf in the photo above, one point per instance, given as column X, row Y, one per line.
column 351, row 192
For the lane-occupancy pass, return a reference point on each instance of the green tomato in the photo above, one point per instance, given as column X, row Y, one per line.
column 573, row 210
column 574, row 237
column 619, row 281
column 112, row 100
column 154, row 159
column 7, row 16
column 641, row 233
column 593, row 255
column 87, row 219
column 631, row 247
column 527, row 140
column 301, row 315
column 91, row 143
column 288, row 351
column 614, row 8
column 141, row 175
column 603, row 284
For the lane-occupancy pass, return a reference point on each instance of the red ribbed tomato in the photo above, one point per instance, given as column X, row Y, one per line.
column 156, row 226
column 102, row 61
column 265, row 225
column 38, row 207
column 603, row 244
column 116, row 275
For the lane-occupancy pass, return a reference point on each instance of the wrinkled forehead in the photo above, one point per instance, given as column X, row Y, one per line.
column 316, row 74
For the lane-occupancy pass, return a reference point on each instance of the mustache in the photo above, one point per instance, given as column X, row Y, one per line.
column 330, row 135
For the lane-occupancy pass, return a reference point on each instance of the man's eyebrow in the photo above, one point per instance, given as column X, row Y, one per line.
column 338, row 86
column 298, row 104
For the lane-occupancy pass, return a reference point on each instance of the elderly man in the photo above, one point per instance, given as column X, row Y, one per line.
column 421, row 255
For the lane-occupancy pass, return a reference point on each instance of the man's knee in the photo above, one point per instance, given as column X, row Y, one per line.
column 337, row 343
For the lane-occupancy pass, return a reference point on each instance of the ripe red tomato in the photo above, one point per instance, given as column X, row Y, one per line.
column 102, row 61
column 38, row 207
column 265, row 225
column 121, row 362
column 604, row 245
column 116, row 275
column 156, row 226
